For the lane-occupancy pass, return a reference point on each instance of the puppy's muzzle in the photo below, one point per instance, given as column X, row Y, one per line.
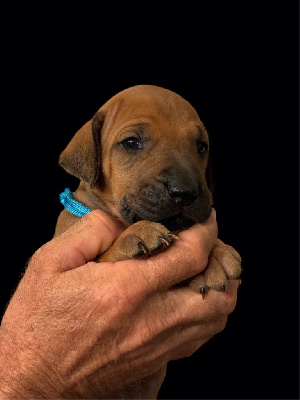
column 175, row 200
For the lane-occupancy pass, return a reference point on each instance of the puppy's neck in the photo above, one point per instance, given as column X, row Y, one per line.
column 94, row 199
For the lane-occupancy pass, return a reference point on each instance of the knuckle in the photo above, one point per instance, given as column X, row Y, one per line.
column 221, row 324
column 220, row 304
column 231, row 305
column 228, row 303
column 142, row 278
column 195, row 256
column 42, row 256
column 186, row 351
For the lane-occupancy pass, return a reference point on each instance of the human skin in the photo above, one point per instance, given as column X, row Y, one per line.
column 79, row 329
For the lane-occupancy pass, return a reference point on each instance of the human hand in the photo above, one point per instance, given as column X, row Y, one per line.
column 80, row 329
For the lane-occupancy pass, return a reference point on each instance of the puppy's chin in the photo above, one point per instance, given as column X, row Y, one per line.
column 176, row 222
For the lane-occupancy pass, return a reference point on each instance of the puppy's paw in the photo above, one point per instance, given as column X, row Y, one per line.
column 140, row 240
column 224, row 263
column 153, row 238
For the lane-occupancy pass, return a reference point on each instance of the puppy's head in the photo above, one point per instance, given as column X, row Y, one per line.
column 145, row 155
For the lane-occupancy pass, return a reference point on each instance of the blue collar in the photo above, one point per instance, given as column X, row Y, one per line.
column 71, row 205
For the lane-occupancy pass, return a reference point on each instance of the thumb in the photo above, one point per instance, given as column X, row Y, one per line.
column 82, row 242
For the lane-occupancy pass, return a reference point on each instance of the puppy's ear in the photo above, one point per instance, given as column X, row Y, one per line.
column 82, row 156
column 209, row 176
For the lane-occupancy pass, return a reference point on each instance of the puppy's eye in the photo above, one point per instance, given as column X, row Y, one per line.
column 202, row 147
column 132, row 143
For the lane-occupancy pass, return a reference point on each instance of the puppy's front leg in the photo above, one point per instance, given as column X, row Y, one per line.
column 140, row 240
column 224, row 263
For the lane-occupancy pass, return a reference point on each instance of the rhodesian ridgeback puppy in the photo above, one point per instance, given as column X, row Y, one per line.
column 144, row 158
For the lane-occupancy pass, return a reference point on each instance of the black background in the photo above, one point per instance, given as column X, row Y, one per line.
column 237, row 63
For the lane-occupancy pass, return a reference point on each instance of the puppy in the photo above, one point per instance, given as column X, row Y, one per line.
column 144, row 158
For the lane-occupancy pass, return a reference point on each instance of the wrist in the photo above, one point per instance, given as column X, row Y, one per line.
column 16, row 383
column 20, row 376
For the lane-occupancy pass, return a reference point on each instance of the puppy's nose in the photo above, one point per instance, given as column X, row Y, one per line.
column 183, row 194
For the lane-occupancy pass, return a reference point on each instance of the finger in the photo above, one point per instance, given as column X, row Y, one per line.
column 189, row 348
column 203, row 320
column 217, row 310
column 177, row 317
column 91, row 235
column 223, row 302
column 183, row 343
column 187, row 257
column 182, row 305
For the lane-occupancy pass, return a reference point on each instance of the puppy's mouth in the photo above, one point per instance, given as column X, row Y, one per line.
column 174, row 223
column 174, row 218
column 177, row 222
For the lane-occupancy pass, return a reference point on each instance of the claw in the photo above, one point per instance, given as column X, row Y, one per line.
column 171, row 237
column 163, row 242
column 202, row 291
column 142, row 251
